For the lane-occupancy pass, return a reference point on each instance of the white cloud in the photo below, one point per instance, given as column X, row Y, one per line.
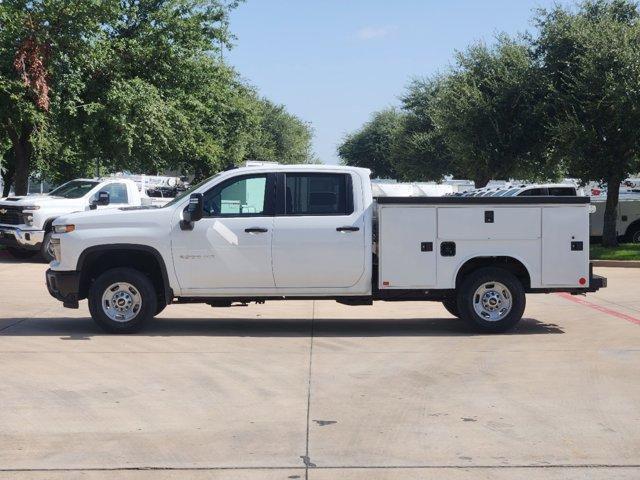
column 371, row 32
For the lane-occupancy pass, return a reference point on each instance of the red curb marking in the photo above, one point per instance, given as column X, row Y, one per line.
column 600, row 308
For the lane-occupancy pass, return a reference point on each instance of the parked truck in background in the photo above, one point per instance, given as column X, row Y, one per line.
column 627, row 220
column 308, row 232
column 26, row 222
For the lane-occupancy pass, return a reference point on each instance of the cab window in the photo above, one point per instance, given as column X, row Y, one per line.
column 318, row 194
column 534, row 192
column 243, row 197
column 117, row 193
column 562, row 191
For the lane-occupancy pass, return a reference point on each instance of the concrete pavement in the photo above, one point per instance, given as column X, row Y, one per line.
column 319, row 390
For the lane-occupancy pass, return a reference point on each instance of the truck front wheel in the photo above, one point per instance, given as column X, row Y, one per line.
column 122, row 300
column 491, row 299
column 46, row 250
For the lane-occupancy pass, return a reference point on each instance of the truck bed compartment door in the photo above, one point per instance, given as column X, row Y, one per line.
column 407, row 246
column 565, row 245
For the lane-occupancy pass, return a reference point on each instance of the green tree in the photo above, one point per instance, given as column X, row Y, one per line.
column 490, row 112
column 592, row 57
column 373, row 145
column 420, row 152
column 279, row 135
column 41, row 44
column 129, row 84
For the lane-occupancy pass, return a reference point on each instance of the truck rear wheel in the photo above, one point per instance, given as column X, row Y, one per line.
column 451, row 306
column 122, row 300
column 491, row 299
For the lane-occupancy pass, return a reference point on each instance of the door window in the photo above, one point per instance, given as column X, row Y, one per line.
column 244, row 197
column 534, row 192
column 562, row 191
column 117, row 193
column 318, row 194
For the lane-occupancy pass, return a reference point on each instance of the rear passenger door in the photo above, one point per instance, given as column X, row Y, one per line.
column 318, row 236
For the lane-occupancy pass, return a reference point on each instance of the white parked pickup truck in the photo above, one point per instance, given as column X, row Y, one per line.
column 316, row 232
column 26, row 223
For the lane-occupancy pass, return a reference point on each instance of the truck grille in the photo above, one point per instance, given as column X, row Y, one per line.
column 11, row 215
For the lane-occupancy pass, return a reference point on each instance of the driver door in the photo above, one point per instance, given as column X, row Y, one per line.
column 229, row 249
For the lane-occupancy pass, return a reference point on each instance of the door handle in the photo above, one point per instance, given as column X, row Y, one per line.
column 347, row 229
column 256, row 230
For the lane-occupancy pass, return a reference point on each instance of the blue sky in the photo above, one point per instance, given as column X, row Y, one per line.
column 335, row 62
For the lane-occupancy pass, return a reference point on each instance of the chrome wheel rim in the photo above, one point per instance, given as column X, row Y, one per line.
column 50, row 251
column 121, row 302
column 492, row 301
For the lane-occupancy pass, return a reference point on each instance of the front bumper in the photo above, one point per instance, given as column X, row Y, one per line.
column 27, row 239
column 65, row 286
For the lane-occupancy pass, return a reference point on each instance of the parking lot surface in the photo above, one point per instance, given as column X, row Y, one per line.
column 318, row 390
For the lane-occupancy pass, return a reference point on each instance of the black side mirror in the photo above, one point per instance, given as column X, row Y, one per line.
column 101, row 199
column 193, row 212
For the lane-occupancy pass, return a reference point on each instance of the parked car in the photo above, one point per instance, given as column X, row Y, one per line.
column 290, row 232
column 26, row 222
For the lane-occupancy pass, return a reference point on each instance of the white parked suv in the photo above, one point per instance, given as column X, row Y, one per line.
column 307, row 231
column 26, row 223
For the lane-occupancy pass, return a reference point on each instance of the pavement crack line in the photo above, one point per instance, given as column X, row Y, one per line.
column 305, row 458
column 333, row 467
column 13, row 324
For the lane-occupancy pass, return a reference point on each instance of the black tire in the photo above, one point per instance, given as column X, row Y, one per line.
column 141, row 284
column 633, row 234
column 45, row 253
column 486, row 277
column 21, row 254
column 451, row 306
column 160, row 306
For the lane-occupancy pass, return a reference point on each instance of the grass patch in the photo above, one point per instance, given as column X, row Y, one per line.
column 625, row 251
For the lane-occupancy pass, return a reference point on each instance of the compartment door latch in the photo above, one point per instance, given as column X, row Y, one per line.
column 577, row 246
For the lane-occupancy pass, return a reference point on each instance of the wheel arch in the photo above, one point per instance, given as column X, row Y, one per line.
column 512, row 264
column 632, row 228
column 48, row 224
column 98, row 258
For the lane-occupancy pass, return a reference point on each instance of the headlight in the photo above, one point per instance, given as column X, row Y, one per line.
column 64, row 228
column 30, row 207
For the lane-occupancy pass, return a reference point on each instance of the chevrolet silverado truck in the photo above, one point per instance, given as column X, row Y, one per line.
column 26, row 222
column 316, row 232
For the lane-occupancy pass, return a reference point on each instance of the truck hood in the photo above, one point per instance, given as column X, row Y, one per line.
column 124, row 216
column 43, row 201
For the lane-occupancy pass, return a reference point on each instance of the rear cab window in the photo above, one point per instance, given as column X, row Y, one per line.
column 317, row 194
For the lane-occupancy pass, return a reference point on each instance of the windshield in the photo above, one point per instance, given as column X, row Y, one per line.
column 189, row 190
column 73, row 189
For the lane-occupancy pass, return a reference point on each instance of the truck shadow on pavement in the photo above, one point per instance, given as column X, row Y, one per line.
column 84, row 328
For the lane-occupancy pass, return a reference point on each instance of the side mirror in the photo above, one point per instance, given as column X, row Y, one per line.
column 193, row 212
column 101, row 199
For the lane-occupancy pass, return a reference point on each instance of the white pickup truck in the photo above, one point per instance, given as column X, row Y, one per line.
column 26, row 223
column 316, row 232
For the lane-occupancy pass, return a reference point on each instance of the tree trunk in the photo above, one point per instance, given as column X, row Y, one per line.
column 22, row 155
column 610, row 231
column 7, row 175
column 481, row 179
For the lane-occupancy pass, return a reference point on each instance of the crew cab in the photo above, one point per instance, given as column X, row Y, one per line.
column 316, row 232
column 26, row 222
